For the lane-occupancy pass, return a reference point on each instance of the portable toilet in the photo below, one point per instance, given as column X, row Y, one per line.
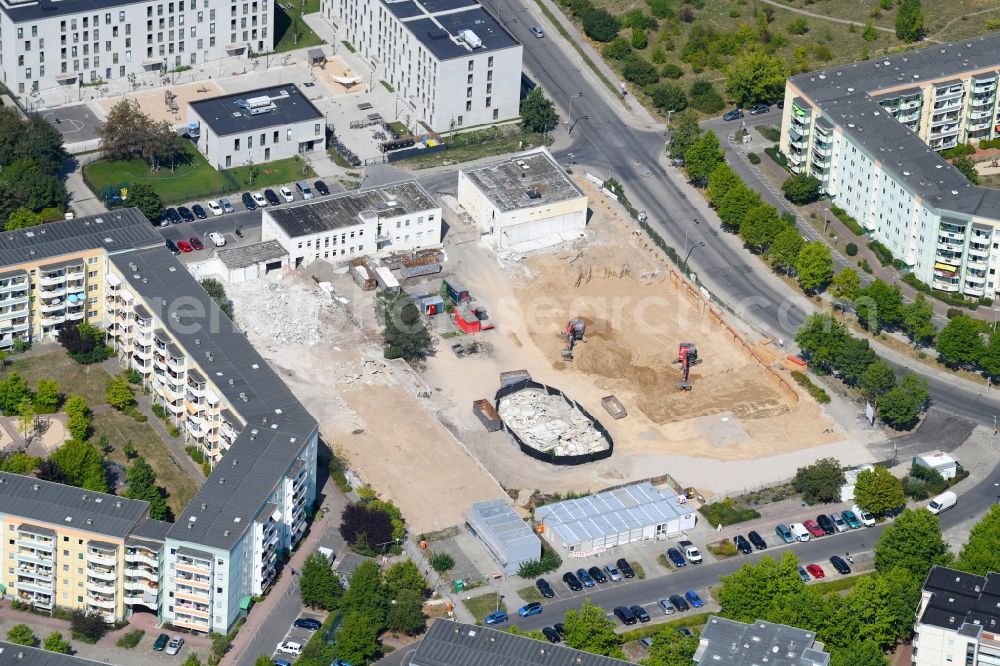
column 431, row 305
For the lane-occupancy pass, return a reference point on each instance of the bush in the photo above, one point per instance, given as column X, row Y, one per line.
column 769, row 132
column 882, row 253
column 441, row 562
column 173, row 430
column 799, row 26
column 600, row 25
column 724, row 513
column 159, row 411
column 549, row 561
column 87, row 627
column 954, row 312
column 754, row 158
column 667, row 97
column 131, row 639
column 852, row 250
column 960, row 150
column 640, row 72
column 853, row 225
column 801, row 189
column 865, row 266
column 705, row 98
column 817, row 392
column 618, row 49
column 195, row 453
column 672, row 71
column 722, row 549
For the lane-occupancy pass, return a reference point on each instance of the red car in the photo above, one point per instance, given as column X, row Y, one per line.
column 184, row 246
column 196, row 243
column 815, row 570
column 810, row 525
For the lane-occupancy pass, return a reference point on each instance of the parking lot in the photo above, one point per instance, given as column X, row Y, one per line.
column 297, row 635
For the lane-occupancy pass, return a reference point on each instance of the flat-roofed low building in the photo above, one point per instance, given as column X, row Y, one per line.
column 508, row 539
column 526, row 200
column 730, row 643
column 244, row 262
column 20, row 655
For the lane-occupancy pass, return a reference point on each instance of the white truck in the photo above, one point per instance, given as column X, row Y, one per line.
column 690, row 551
column 942, row 502
column 866, row 518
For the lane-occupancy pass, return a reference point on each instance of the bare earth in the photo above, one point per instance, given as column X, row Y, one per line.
column 153, row 103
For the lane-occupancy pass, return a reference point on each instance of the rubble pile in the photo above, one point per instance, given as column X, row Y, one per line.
column 549, row 423
column 288, row 311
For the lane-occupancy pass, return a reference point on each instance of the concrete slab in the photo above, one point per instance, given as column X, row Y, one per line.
column 77, row 122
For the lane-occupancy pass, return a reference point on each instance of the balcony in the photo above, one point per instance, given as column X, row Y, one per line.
column 18, row 283
column 98, row 586
column 102, row 558
column 76, row 315
column 53, row 320
column 944, row 285
column 52, row 280
column 102, row 574
column 42, row 600
column 194, row 566
column 176, row 364
column 972, row 290
column 191, row 623
column 101, row 602
column 132, row 559
column 34, row 586
column 38, row 543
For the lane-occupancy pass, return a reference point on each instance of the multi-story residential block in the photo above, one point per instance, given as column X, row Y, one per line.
column 730, row 643
column 50, row 43
column 358, row 223
column 450, row 61
column 256, row 126
column 869, row 131
column 958, row 620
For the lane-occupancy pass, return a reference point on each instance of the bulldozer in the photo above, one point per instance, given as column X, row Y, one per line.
column 573, row 333
column 687, row 355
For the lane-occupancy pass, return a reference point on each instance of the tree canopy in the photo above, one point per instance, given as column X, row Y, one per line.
column 600, row 25
column 960, row 343
column 702, row 157
column 81, row 465
column 820, row 481
column 357, row 640
column 909, row 21
column 671, row 648
column 319, row 585
column 980, row 554
column 128, row 133
column 684, row 131
column 902, row 404
column 801, row 189
column 878, row 491
column 538, row 112
column 814, row 266
column 754, row 76
column 144, row 197
column 405, row 334
column 912, row 542
column 589, row 629
column 142, row 486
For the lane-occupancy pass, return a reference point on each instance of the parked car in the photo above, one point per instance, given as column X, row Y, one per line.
column 640, row 613
column 646, row 642
column 735, row 114
column 572, row 582
column 285, row 662
column 185, row 213
column 814, row 529
column 676, row 558
column 271, row 197
column 496, row 617
column 537, row 32
column 340, row 662
column 286, row 194
column 668, row 608
column 227, row 207
column 780, row 104
column 838, row 522
column 545, row 589
column 679, row 602
column 851, row 520
column 173, row 215
column 196, row 243
column 685, row 632
column 560, row 629
column 785, row 533
column 289, row 647
column 308, row 623
column 597, row 574
column 259, row 199
column 175, row 645
column 803, row 575
column 527, row 610
column 694, row 599
column 758, row 109
column 624, row 614
column 304, row 189
column 613, row 573
column 248, row 201
column 825, row 523
column 585, row 577
column 757, row 541
column 198, row 211
column 816, row 571
column 160, row 642
column 184, row 246
column 321, row 187
column 551, row 634
column 866, row 518
column 742, row 544
column 214, row 207
column 625, row 568
column 218, row 240
column 840, row 565
column 172, row 246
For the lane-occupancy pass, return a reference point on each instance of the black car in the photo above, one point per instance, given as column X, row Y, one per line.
column 840, row 565
column 271, row 197
column 758, row 109
column 742, row 544
column 321, row 187
column 249, row 202
column 625, row 568
column 544, row 587
column 572, row 582
column 826, row 523
column 684, row 631
column 624, row 614
column 173, row 215
column 757, row 541
column 185, row 213
column 679, row 602
column 172, row 246
column 735, row 114
column 560, row 629
column 676, row 558
column 597, row 574
column 551, row 634
column 199, row 212
column 308, row 623
column 640, row 613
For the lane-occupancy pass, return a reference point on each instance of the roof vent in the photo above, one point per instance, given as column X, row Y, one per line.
column 197, row 341
column 850, row 90
column 69, row 519
column 235, row 461
column 243, row 396
column 90, row 521
column 255, row 366
column 118, row 504
column 225, row 533
column 34, row 486
column 203, row 506
column 222, row 480
column 237, row 519
column 231, row 381
column 886, row 62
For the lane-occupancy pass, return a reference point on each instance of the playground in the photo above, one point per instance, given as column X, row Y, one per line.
column 168, row 104
column 337, row 76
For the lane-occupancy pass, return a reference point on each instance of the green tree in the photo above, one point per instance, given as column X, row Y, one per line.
column 668, row 97
column 702, row 157
column 869, row 33
column 27, row 417
column 639, row 71
column 263, row 660
column 902, row 405
column 55, row 642
column 119, row 394
column 989, row 359
column 912, row 542
column 735, row 204
column 367, row 594
column 877, row 379
column 801, row 189
column 402, row 576
column 21, row 634
column 960, row 343
column 867, row 653
column 538, row 113
column 589, row 629
column 878, row 491
column 129, row 450
column 21, row 218
column 13, row 392
column 845, row 285
column 639, row 39
column 142, row 486
column 814, row 266
column 356, row 640
column 917, row 322
column 47, row 396
column 25, row 185
column 40, row 141
column 980, row 554
column 760, row 226
column 909, row 21
column 144, row 197
column 618, row 49
column 752, row 591
column 192, row 660
column 720, row 181
column 784, row 251
column 406, row 613
column 879, row 305
column 705, row 97
column 820, row 481
column 755, row 77
column 218, row 294
column 600, row 25
column 852, row 358
column 684, row 132
column 319, row 586
column 671, row 648
column 405, row 334
column 821, row 338
column 884, row 606
column 82, row 465
column 967, row 167
column 18, row 462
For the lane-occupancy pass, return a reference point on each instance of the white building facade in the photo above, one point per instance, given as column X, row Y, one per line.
column 958, row 621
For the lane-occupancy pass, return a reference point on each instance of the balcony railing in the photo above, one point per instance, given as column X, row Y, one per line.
column 95, row 557
column 100, row 602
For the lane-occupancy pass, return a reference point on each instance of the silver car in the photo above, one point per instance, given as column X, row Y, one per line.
column 613, row 574
column 174, row 646
column 838, row 522
column 226, row 206
column 668, row 608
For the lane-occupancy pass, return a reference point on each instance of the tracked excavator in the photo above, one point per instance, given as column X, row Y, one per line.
column 573, row 333
column 687, row 355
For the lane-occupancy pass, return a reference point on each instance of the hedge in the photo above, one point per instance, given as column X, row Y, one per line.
column 848, row 221
column 817, row 392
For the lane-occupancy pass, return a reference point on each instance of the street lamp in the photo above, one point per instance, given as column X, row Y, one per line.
column 569, row 118
column 686, row 249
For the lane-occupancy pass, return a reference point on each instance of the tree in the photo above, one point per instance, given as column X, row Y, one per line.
column 402, row 576
column 119, row 394
column 357, row 639
column 144, row 197
column 87, row 625
column 22, row 218
column 702, row 157
column 21, row 634
column 755, row 77
column 142, row 486
column 909, row 21
column 55, row 642
column 47, row 396
column 367, row 595
column 18, row 462
column 784, row 251
column 128, row 133
column 192, row 660
column 640, row 72
column 879, row 305
column 600, row 25
column 263, row 660
column 801, row 189
column 960, row 342
column 405, row 334
column 845, row 285
column 129, row 450
column 917, row 322
column 878, row 491
column 989, row 360
column 43, row 143
column 814, row 266
column 667, row 97
column 867, row 653
column 820, row 481
column 980, row 554
column 79, row 414
column 760, row 226
column 28, row 415
column 406, row 613
column 13, row 392
column 684, row 131
column 902, row 405
column 84, row 343
column 374, row 525
column 639, row 39
column 821, row 338
column 877, row 379
column 319, row 585
column 912, row 542
column 705, row 98
column 82, row 465
column 720, row 181
column 589, row 629
column 25, row 185
column 967, row 167
column 538, row 113
column 672, row 648
column 752, row 591
column 735, row 204
column 884, row 606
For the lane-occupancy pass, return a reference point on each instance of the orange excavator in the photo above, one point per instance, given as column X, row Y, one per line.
column 573, row 333
column 687, row 355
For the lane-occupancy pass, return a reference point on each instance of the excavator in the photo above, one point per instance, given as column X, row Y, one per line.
column 573, row 333
column 687, row 355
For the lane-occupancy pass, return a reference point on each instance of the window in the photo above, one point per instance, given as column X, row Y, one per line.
column 229, row 161
column 121, row 16
column 489, row 102
column 468, row 107
column 489, row 63
column 496, row 114
column 472, row 64
column 315, row 129
column 468, row 92
column 236, row 144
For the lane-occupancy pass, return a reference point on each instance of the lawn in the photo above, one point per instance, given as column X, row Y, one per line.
column 467, row 153
column 482, row 606
column 89, row 382
column 285, row 36
column 195, row 179
column 530, row 594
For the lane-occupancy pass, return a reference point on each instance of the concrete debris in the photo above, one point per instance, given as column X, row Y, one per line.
column 549, row 423
column 291, row 312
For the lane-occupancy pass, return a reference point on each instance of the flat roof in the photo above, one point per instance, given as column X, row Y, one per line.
column 228, row 114
column 440, row 24
column 527, row 180
column 342, row 210
column 151, row 530
column 56, row 504
column 961, row 600
column 757, row 643
column 20, row 12
column 506, row 530
column 277, row 425
column 11, row 653
column 250, row 255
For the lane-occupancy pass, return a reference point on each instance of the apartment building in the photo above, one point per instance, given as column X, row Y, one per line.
column 50, row 43
column 730, row 643
column 358, row 223
column 869, row 131
column 450, row 61
column 958, row 620
column 256, row 126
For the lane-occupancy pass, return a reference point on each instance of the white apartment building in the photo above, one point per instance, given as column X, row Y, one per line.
column 50, row 43
column 958, row 620
column 869, row 131
column 358, row 223
column 256, row 126
column 450, row 61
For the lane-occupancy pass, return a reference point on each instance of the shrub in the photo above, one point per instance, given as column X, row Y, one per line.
column 705, row 98
column 364, row 528
column 865, row 266
column 195, row 453
column 667, row 97
column 958, row 151
column 441, row 562
column 847, row 220
column 672, row 71
column 87, row 627
column 131, row 639
column 817, row 392
column 724, row 513
column 722, row 549
column 798, row 26
column 600, row 25
column 549, row 561
column 754, row 158
column 173, row 430
column 852, row 249
column 618, row 49
column 159, row 411
column 640, row 72
column 882, row 253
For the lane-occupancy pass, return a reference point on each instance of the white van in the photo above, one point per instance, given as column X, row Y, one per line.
column 799, row 531
column 942, row 502
column 866, row 518
column 289, row 647
column 303, row 188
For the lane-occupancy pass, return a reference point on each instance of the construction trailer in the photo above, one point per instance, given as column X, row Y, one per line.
column 386, row 280
column 456, row 291
column 431, row 305
column 466, row 319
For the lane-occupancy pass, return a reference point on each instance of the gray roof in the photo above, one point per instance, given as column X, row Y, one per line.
column 151, row 530
column 960, row 599
column 115, row 231
column 436, row 24
column 342, row 210
column 250, row 255
column 225, row 115
column 57, row 504
column 524, row 181
column 45, row 9
column 450, row 643
column 277, row 426
column 729, row 643
column 496, row 521
column 11, row 653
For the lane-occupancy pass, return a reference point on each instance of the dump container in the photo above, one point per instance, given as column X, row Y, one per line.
column 514, row 377
column 612, row 405
column 487, row 414
column 456, row 292
column 423, row 269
